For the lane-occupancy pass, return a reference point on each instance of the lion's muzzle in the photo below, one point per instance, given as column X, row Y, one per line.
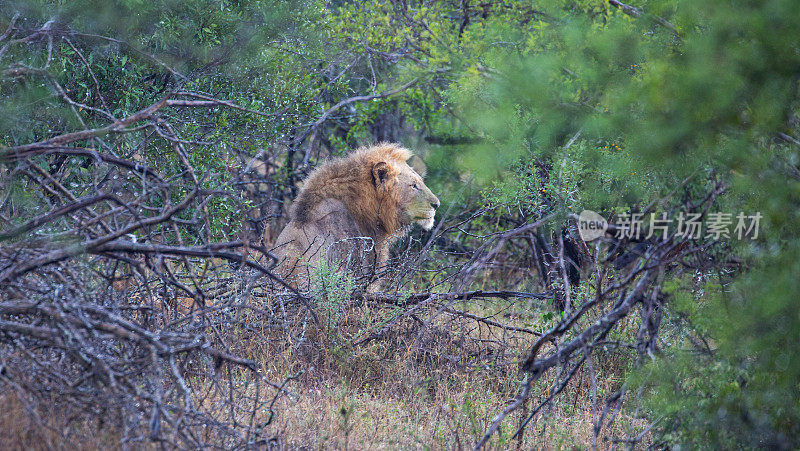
column 427, row 220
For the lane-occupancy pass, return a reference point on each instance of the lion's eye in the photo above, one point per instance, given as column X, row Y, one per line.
column 414, row 185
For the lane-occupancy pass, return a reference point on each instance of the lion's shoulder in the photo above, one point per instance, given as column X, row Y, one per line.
column 330, row 218
column 332, row 215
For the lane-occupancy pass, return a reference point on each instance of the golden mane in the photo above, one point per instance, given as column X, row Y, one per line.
column 350, row 180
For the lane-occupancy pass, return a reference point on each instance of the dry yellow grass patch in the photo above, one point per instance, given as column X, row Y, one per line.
column 46, row 426
column 333, row 416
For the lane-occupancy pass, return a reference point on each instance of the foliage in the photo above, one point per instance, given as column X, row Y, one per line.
column 696, row 94
column 331, row 290
column 524, row 111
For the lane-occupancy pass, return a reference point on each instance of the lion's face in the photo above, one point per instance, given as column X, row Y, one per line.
column 416, row 202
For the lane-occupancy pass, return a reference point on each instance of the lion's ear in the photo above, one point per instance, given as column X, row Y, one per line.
column 418, row 165
column 380, row 172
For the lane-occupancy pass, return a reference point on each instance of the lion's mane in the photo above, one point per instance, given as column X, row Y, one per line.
column 350, row 180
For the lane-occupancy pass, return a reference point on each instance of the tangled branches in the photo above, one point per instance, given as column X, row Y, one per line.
column 107, row 258
column 569, row 344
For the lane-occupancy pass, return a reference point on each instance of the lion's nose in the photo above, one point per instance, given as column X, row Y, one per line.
column 435, row 203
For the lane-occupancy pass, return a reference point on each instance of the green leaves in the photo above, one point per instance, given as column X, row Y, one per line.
column 651, row 109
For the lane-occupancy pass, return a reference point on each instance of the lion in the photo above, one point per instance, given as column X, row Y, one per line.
column 349, row 212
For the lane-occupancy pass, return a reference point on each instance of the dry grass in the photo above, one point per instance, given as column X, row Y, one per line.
column 392, row 414
column 50, row 426
column 438, row 415
column 390, row 395
column 397, row 392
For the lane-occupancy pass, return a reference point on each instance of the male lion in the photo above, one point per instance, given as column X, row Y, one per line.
column 350, row 211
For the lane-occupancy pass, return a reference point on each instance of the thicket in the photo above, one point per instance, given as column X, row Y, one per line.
column 149, row 152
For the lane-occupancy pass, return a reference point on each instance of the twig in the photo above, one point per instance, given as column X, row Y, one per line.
column 636, row 12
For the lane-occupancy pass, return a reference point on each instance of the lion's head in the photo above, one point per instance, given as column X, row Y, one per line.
column 376, row 184
column 398, row 181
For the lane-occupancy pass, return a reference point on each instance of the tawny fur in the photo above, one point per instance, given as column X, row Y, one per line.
column 350, row 180
column 370, row 193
